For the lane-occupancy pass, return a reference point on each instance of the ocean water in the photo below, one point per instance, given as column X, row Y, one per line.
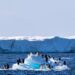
column 11, row 59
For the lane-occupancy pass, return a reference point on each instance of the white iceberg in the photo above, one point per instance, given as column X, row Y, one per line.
column 37, row 63
column 61, row 68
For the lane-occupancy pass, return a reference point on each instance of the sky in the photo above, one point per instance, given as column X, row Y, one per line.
column 37, row 17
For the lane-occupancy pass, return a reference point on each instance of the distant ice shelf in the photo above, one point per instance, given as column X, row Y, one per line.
column 37, row 43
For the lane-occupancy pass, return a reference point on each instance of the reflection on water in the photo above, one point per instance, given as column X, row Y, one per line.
column 11, row 59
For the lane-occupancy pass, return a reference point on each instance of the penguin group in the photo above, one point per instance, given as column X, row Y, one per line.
column 48, row 64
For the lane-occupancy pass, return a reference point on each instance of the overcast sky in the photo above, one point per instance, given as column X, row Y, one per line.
column 37, row 17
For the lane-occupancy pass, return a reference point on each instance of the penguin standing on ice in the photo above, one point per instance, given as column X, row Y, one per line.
column 6, row 66
column 64, row 62
column 46, row 58
column 18, row 61
column 22, row 60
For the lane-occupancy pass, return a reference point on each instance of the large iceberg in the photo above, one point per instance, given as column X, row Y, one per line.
column 37, row 43
column 37, row 62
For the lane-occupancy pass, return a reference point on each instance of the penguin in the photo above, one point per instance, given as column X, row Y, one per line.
column 22, row 60
column 18, row 61
column 64, row 62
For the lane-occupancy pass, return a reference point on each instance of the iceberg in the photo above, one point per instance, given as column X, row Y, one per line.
column 37, row 44
column 37, row 63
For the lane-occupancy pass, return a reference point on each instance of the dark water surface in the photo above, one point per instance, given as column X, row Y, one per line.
column 11, row 59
